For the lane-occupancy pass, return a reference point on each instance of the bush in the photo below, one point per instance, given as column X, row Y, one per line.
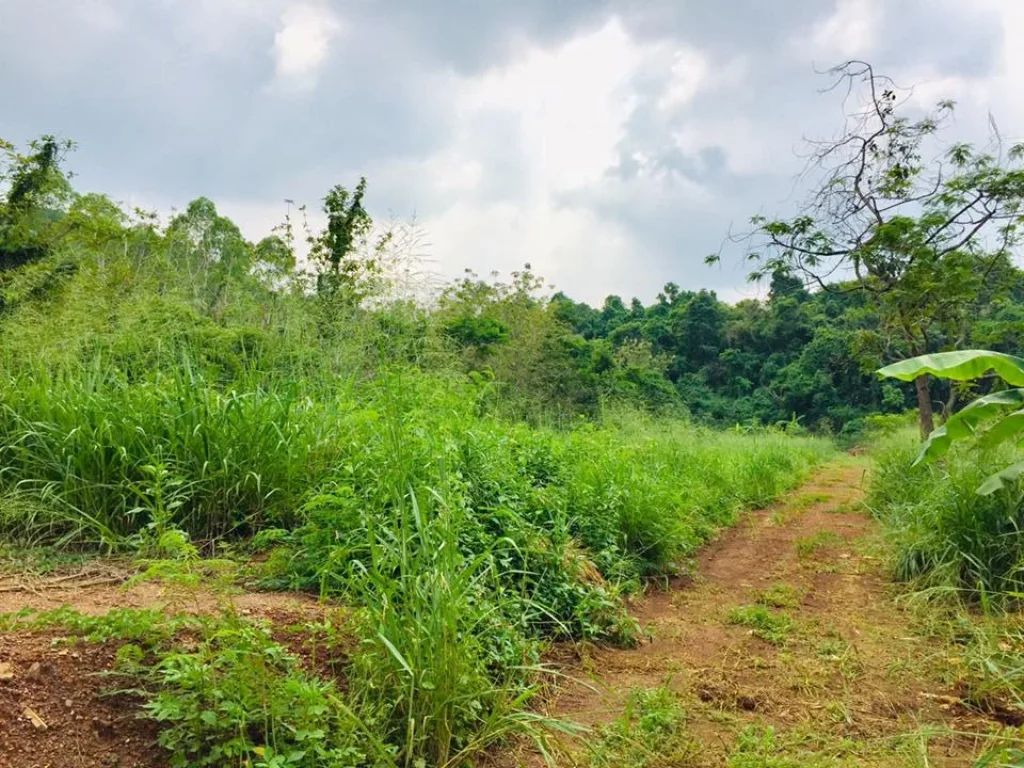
column 240, row 698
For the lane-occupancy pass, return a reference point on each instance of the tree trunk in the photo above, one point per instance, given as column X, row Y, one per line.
column 924, row 406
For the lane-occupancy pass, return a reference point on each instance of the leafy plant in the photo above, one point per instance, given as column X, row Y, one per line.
column 993, row 419
column 650, row 733
column 780, row 596
column 240, row 698
column 942, row 534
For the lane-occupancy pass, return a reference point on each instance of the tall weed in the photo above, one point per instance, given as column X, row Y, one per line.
column 946, row 537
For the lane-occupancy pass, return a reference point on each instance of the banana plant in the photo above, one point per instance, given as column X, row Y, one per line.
column 991, row 420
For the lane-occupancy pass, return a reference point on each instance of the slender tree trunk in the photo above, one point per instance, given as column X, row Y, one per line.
column 950, row 404
column 924, row 406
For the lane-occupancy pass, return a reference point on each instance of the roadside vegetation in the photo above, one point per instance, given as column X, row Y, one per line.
column 468, row 477
column 445, row 468
column 952, row 513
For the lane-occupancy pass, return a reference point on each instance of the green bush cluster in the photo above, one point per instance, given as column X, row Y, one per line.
column 945, row 535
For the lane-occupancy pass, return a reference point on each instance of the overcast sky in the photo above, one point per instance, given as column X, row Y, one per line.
column 610, row 144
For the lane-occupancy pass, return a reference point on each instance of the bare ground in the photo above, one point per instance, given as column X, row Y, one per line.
column 851, row 684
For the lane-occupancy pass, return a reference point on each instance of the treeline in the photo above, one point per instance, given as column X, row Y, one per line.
column 83, row 279
column 796, row 356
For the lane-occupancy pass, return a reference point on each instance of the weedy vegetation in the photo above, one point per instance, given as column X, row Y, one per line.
column 479, row 470
column 467, row 475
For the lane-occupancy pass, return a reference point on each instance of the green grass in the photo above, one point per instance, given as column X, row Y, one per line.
column 463, row 541
column 810, row 546
column 650, row 733
column 944, row 536
column 771, row 626
column 961, row 555
column 780, row 596
column 351, row 451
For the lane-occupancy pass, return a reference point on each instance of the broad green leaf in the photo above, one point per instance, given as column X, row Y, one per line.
column 1003, row 479
column 1007, row 428
column 959, row 366
column 964, row 424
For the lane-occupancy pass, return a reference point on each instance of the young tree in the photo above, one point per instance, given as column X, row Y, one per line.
column 34, row 193
column 335, row 251
column 210, row 251
column 922, row 237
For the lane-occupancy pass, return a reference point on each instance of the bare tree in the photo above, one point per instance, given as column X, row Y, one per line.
column 922, row 236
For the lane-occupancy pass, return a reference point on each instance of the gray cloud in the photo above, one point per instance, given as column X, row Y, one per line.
column 611, row 144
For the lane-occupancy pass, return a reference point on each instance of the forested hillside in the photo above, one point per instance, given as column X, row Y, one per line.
column 800, row 356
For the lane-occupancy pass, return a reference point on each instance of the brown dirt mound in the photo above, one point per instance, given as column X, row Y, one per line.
column 55, row 712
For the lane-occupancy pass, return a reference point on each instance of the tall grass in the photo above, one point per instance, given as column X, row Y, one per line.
column 86, row 440
column 964, row 554
column 945, row 537
column 464, row 540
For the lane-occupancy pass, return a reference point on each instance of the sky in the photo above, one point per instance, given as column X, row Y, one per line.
column 611, row 145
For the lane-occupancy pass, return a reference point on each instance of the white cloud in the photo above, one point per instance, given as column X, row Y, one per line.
column 983, row 98
column 689, row 75
column 568, row 109
column 851, row 31
column 570, row 104
column 564, row 245
column 1008, row 82
column 302, row 43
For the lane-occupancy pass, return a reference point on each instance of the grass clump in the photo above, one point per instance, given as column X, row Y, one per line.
column 650, row 733
column 944, row 536
column 780, row 596
column 759, row 746
column 770, row 626
column 810, row 546
column 963, row 553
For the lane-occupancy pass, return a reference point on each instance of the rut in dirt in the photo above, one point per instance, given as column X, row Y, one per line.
column 838, row 662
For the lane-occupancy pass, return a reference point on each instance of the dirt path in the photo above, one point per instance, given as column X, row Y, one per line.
column 841, row 678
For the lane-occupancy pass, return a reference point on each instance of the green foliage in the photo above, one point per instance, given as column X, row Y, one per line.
column 241, row 698
column 759, row 747
column 966, row 424
column 35, row 194
column 944, row 535
column 343, row 270
column 86, row 441
column 924, row 239
column 224, row 691
column 475, row 477
column 959, row 366
column 811, row 545
column 650, row 733
column 780, row 596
